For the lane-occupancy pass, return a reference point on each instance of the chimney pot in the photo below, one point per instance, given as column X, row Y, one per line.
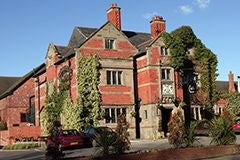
column 113, row 5
column 157, row 25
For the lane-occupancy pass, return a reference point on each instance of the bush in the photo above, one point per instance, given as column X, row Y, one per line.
column 24, row 145
column 123, row 143
column 104, row 141
column 222, row 132
column 3, row 126
column 177, row 133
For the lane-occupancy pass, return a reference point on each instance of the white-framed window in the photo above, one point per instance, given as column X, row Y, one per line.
column 164, row 51
column 114, row 77
column 111, row 114
column 166, row 74
column 109, row 43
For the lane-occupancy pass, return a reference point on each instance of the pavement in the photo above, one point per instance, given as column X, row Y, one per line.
column 136, row 146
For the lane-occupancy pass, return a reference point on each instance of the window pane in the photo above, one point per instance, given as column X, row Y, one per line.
column 23, row 117
column 118, row 112
column 114, row 77
column 163, row 74
column 119, row 77
column 168, row 73
column 107, row 115
column 106, row 44
column 108, row 77
column 111, row 44
column 113, row 115
column 124, row 111
column 162, row 51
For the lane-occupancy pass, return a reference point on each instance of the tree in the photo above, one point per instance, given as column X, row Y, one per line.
column 203, row 61
column 233, row 104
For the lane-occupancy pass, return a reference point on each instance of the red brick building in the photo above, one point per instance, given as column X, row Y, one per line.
column 135, row 74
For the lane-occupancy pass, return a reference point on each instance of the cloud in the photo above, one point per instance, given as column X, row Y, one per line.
column 203, row 3
column 149, row 15
column 186, row 9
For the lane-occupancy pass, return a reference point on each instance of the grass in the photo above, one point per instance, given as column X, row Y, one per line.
column 22, row 145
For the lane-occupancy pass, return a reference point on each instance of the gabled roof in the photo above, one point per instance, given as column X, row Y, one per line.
column 6, row 82
column 63, row 50
column 20, row 81
column 80, row 34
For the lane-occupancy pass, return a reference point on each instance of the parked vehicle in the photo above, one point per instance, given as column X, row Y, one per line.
column 90, row 132
column 72, row 138
column 236, row 125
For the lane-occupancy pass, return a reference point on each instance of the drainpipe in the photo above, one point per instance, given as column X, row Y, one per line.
column 38, row 90
column 136, row 98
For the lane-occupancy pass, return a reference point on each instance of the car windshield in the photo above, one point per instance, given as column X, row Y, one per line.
column 70, row 132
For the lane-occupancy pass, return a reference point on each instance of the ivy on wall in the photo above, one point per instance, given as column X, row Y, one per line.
column 52, row 110
column 204, row 61
column 86, row 111
column 89, row 97
column 70, row 114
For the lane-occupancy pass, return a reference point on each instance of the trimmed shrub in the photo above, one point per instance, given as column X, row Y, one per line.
column 123, row 143
column 177, row 133
column 24, row 145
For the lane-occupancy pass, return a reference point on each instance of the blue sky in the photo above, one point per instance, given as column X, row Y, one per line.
column 28, row 26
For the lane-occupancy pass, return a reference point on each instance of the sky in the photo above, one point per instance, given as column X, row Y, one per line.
column 28, row 26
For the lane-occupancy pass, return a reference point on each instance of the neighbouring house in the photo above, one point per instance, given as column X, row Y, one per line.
column 135, row 76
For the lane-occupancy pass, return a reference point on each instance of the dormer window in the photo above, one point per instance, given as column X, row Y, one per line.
column 164, row 51
column 109, row 43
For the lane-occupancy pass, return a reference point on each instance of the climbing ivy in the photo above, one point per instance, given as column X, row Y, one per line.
column 204, row 61
column 70, row 114
column 89, row 97
column 53, row 109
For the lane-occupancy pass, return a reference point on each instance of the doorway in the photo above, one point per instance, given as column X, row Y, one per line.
column 166, row 114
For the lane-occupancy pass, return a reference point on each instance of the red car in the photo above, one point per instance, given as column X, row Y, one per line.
column 236, row 125
column 72, row 138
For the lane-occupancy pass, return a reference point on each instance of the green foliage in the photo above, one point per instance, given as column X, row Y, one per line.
column 104, row 142
column 222, row 132
column 123, row 142
column 177, row 133
column 53, row 109
column 89, row 98
column 191, row 133
column 204, row 60
column 70, row 114
column 23, row 145
column 233, row 105
column 3, row 126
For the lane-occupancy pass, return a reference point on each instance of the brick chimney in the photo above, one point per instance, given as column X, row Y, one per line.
column 157, row 25
column 231, row 88
column 114, row 15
